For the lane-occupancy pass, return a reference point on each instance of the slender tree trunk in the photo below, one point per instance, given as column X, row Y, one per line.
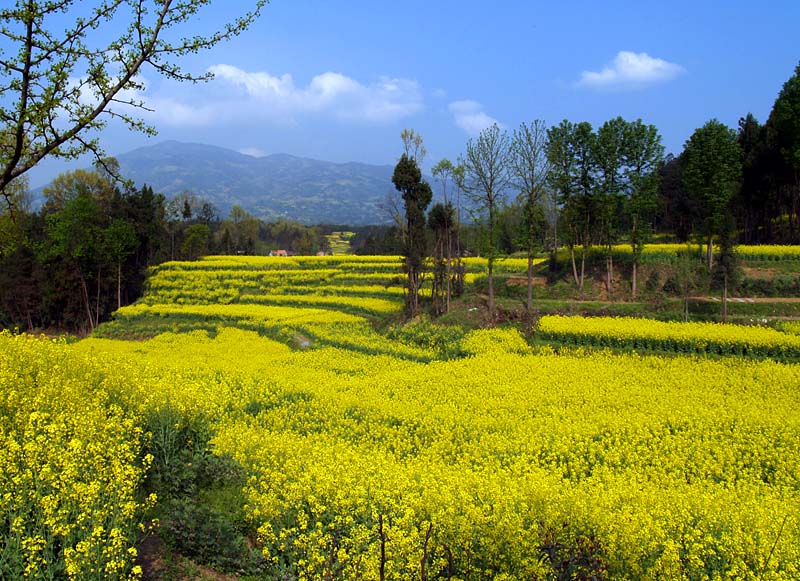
column 413, row 289
column 710, row 252
column 449, row 263
column 86, row 302
column 423, row 575
column 529, row 305
column 460, row 271
column 97, row 301
column 574, row 265
column 609, row 271
column 725, row 298
column 795, row 204
column 119, row 285
column 634, row 238
column 491, row 263
column 449, row 561
column 491, row 289
column 555, row 229
column 583, row 269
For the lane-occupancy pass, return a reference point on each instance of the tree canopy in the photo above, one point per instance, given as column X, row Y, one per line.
column 712, row 171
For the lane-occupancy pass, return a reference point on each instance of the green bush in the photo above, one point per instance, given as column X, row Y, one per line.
column 200, row 494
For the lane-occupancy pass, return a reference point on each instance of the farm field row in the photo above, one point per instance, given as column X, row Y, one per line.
column 756, row 253
column 631, row 333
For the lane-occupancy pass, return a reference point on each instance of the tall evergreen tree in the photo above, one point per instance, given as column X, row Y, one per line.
column 417, row 195
column 609, row 153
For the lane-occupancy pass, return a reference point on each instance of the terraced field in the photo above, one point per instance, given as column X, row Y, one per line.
column 260, row 388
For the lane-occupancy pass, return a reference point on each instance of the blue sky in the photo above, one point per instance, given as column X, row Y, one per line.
column 340, row 80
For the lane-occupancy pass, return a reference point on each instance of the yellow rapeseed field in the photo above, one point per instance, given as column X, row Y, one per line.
column 369, row 458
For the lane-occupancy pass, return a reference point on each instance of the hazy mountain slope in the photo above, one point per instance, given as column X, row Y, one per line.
column 278, row 185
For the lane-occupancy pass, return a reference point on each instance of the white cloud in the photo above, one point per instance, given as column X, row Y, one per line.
column 175, row 113
column 470, row 117
column 239, row 95
column 630, row 70
column 386, row 100
column 136, row 101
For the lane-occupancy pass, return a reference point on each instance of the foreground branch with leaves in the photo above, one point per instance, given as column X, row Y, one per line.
column 60, row 83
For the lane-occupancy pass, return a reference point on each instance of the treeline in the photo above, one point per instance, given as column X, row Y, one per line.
column 539, row 187
column 86, row 250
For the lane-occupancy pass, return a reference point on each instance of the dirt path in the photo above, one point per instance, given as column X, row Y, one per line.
column 746, row 299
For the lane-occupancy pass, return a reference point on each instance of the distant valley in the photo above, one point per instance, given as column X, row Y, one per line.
column 270, row 187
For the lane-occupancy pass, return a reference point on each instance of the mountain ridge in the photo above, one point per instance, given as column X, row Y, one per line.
column 278, row 185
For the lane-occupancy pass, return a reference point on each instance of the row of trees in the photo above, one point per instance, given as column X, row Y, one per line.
column 763, row 194
column 86, row 251
column 600, row 187
column 82, row 255
column 599, row 181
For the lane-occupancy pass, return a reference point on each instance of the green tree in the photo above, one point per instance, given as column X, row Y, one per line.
column 447, row 175
column 63, row 76
column 441, row 220
column 69, row 185
column 486, row 179
column 195, row 242
column 609, row 153
column 240, row 232
column 417, row 195
column 573, row 175
column 676, row 208
column 89, row 242
column 530, row 169
column 179, row 212
column 18, row 201
column 712, row 170
column 755, row 206
column 146, row 211
column 783, row 134
column 119, row 243
column 643, row 155
column 74, row 236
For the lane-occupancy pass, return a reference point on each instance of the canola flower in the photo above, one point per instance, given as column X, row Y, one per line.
column 69, row 466
column 671, row 336
column 769, row 252
column 760, row 252
column 502, row 265
column 369, row 286
column 369, row 457
column 678, row 468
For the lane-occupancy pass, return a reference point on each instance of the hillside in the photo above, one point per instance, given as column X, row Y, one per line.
column 274, row 186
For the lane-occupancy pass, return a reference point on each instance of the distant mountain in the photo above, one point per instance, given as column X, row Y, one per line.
column 275, row 186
